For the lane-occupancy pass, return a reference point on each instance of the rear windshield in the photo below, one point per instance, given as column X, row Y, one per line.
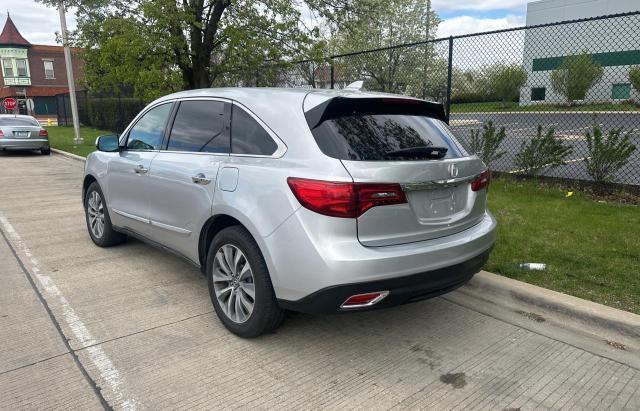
column 384, row 137
column 18, row 121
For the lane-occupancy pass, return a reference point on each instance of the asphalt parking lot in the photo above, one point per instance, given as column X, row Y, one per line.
column 132, row 327
column 570, row 127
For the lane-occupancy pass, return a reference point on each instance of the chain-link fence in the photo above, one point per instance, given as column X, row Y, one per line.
column 557, row 100
column 107, row 112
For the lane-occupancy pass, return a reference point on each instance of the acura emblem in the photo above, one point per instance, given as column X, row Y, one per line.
column 453, row 170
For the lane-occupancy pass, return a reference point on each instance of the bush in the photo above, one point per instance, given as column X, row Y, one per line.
column 113, row 113
column 543, row 151
column 607, row 154
column 460, row 97
column 575, row 76
column 505, row 82
column 487, row 144
column 634, row 77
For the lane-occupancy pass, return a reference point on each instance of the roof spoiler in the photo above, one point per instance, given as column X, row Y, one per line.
column 345, row 106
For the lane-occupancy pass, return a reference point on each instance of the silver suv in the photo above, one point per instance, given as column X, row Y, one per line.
column 317, row 201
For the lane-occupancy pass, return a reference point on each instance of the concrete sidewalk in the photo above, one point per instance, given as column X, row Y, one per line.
column 141, row 325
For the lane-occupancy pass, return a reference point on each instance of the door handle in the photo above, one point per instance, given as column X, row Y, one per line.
column 141, row 169
column 201, row 179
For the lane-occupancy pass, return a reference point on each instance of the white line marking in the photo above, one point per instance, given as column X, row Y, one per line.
column 98, row 357
column 463, row 122
column 575, row 160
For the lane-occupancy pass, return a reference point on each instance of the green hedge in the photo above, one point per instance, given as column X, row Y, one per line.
column 112, row 113
column 458, row 97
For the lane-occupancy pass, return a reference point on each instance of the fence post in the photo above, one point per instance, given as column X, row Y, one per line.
column 333, row 78
column 64, row 110
column 449, row 75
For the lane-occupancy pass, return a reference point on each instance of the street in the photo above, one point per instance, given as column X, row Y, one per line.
column 132, row 327
column 570, row 127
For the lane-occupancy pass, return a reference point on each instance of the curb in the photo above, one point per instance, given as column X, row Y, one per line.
column 68, row 155
column 564, row 309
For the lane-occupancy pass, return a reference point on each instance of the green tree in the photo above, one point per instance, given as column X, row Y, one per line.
column 607, row 154
column 505, row 82
column 575, row 76
column 543, row 151
column 189, row 43
column 411, row 70
column 487, row 144
column 634, row 78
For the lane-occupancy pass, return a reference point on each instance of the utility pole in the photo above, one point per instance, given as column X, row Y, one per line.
column 71, row 81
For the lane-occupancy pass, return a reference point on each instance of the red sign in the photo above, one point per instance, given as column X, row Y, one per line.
column 9, row 103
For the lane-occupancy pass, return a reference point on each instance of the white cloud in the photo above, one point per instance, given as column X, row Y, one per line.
column 36, row 22
column 480, row 5
column 468, row 24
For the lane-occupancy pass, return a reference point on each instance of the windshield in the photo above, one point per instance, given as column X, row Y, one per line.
column 379, row 137
column 18, row 121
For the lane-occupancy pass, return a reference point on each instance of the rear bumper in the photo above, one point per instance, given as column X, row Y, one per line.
column 401, row 290
column 310, row 252
column 23, row 143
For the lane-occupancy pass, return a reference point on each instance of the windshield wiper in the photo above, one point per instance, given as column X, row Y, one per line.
column 426, row 152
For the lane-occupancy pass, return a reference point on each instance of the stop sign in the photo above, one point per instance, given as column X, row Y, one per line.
column 9, row 103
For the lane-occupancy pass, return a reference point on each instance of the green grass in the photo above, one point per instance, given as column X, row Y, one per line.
column 497, row 106
column 592, row 248
column 62, row 139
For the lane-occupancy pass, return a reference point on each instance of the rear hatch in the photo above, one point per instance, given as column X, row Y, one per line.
column 403, row 141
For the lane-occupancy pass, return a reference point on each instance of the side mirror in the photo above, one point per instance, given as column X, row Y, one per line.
column 108, row 143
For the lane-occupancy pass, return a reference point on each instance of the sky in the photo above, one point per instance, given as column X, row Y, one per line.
column 39, row 23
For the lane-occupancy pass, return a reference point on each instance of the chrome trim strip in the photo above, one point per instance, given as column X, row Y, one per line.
column 168, row 227
column 431, row 185
column 376, row 300
column 131, row 216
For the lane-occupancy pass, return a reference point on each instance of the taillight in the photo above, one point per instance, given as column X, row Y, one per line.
column 482, row 181
column 1, row 133
column 43, row 133
column 346, row 200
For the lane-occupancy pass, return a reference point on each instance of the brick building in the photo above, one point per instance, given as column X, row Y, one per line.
column 33, row 74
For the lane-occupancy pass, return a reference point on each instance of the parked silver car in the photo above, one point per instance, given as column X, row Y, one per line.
column 20, row 132
column 317, row 201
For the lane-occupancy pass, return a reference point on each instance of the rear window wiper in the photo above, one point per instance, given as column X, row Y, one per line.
column 424, row 151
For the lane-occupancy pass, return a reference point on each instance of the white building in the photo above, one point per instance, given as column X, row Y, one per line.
column 615, row 44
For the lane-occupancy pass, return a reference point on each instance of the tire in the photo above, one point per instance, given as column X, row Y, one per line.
column 106, row 236
column 265, row 314
column 45, row 151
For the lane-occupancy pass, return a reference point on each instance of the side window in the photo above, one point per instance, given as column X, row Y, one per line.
column 199, row 126
column 247, row 136
column 146, row 134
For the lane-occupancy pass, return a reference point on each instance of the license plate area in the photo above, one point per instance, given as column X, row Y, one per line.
column 22, row 134
column 439, row 204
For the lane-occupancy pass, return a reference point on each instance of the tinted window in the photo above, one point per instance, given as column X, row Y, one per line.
column 146, row 134
column 372, row 137
column 248, row 137
column 199, row 126
column 18, row 121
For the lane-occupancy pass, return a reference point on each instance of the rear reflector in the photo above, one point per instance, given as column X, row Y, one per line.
column 482, row 181
column 364, row 300
column 345, row 200
column 43, row 133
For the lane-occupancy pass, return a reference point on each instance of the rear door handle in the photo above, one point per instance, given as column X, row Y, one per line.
column 201, row 179
column 141, row 169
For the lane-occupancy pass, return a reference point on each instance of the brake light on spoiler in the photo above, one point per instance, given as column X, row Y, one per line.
column 343, row 199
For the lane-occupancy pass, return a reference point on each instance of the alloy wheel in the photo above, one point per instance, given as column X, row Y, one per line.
column 233, row 283
column 95, row 210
